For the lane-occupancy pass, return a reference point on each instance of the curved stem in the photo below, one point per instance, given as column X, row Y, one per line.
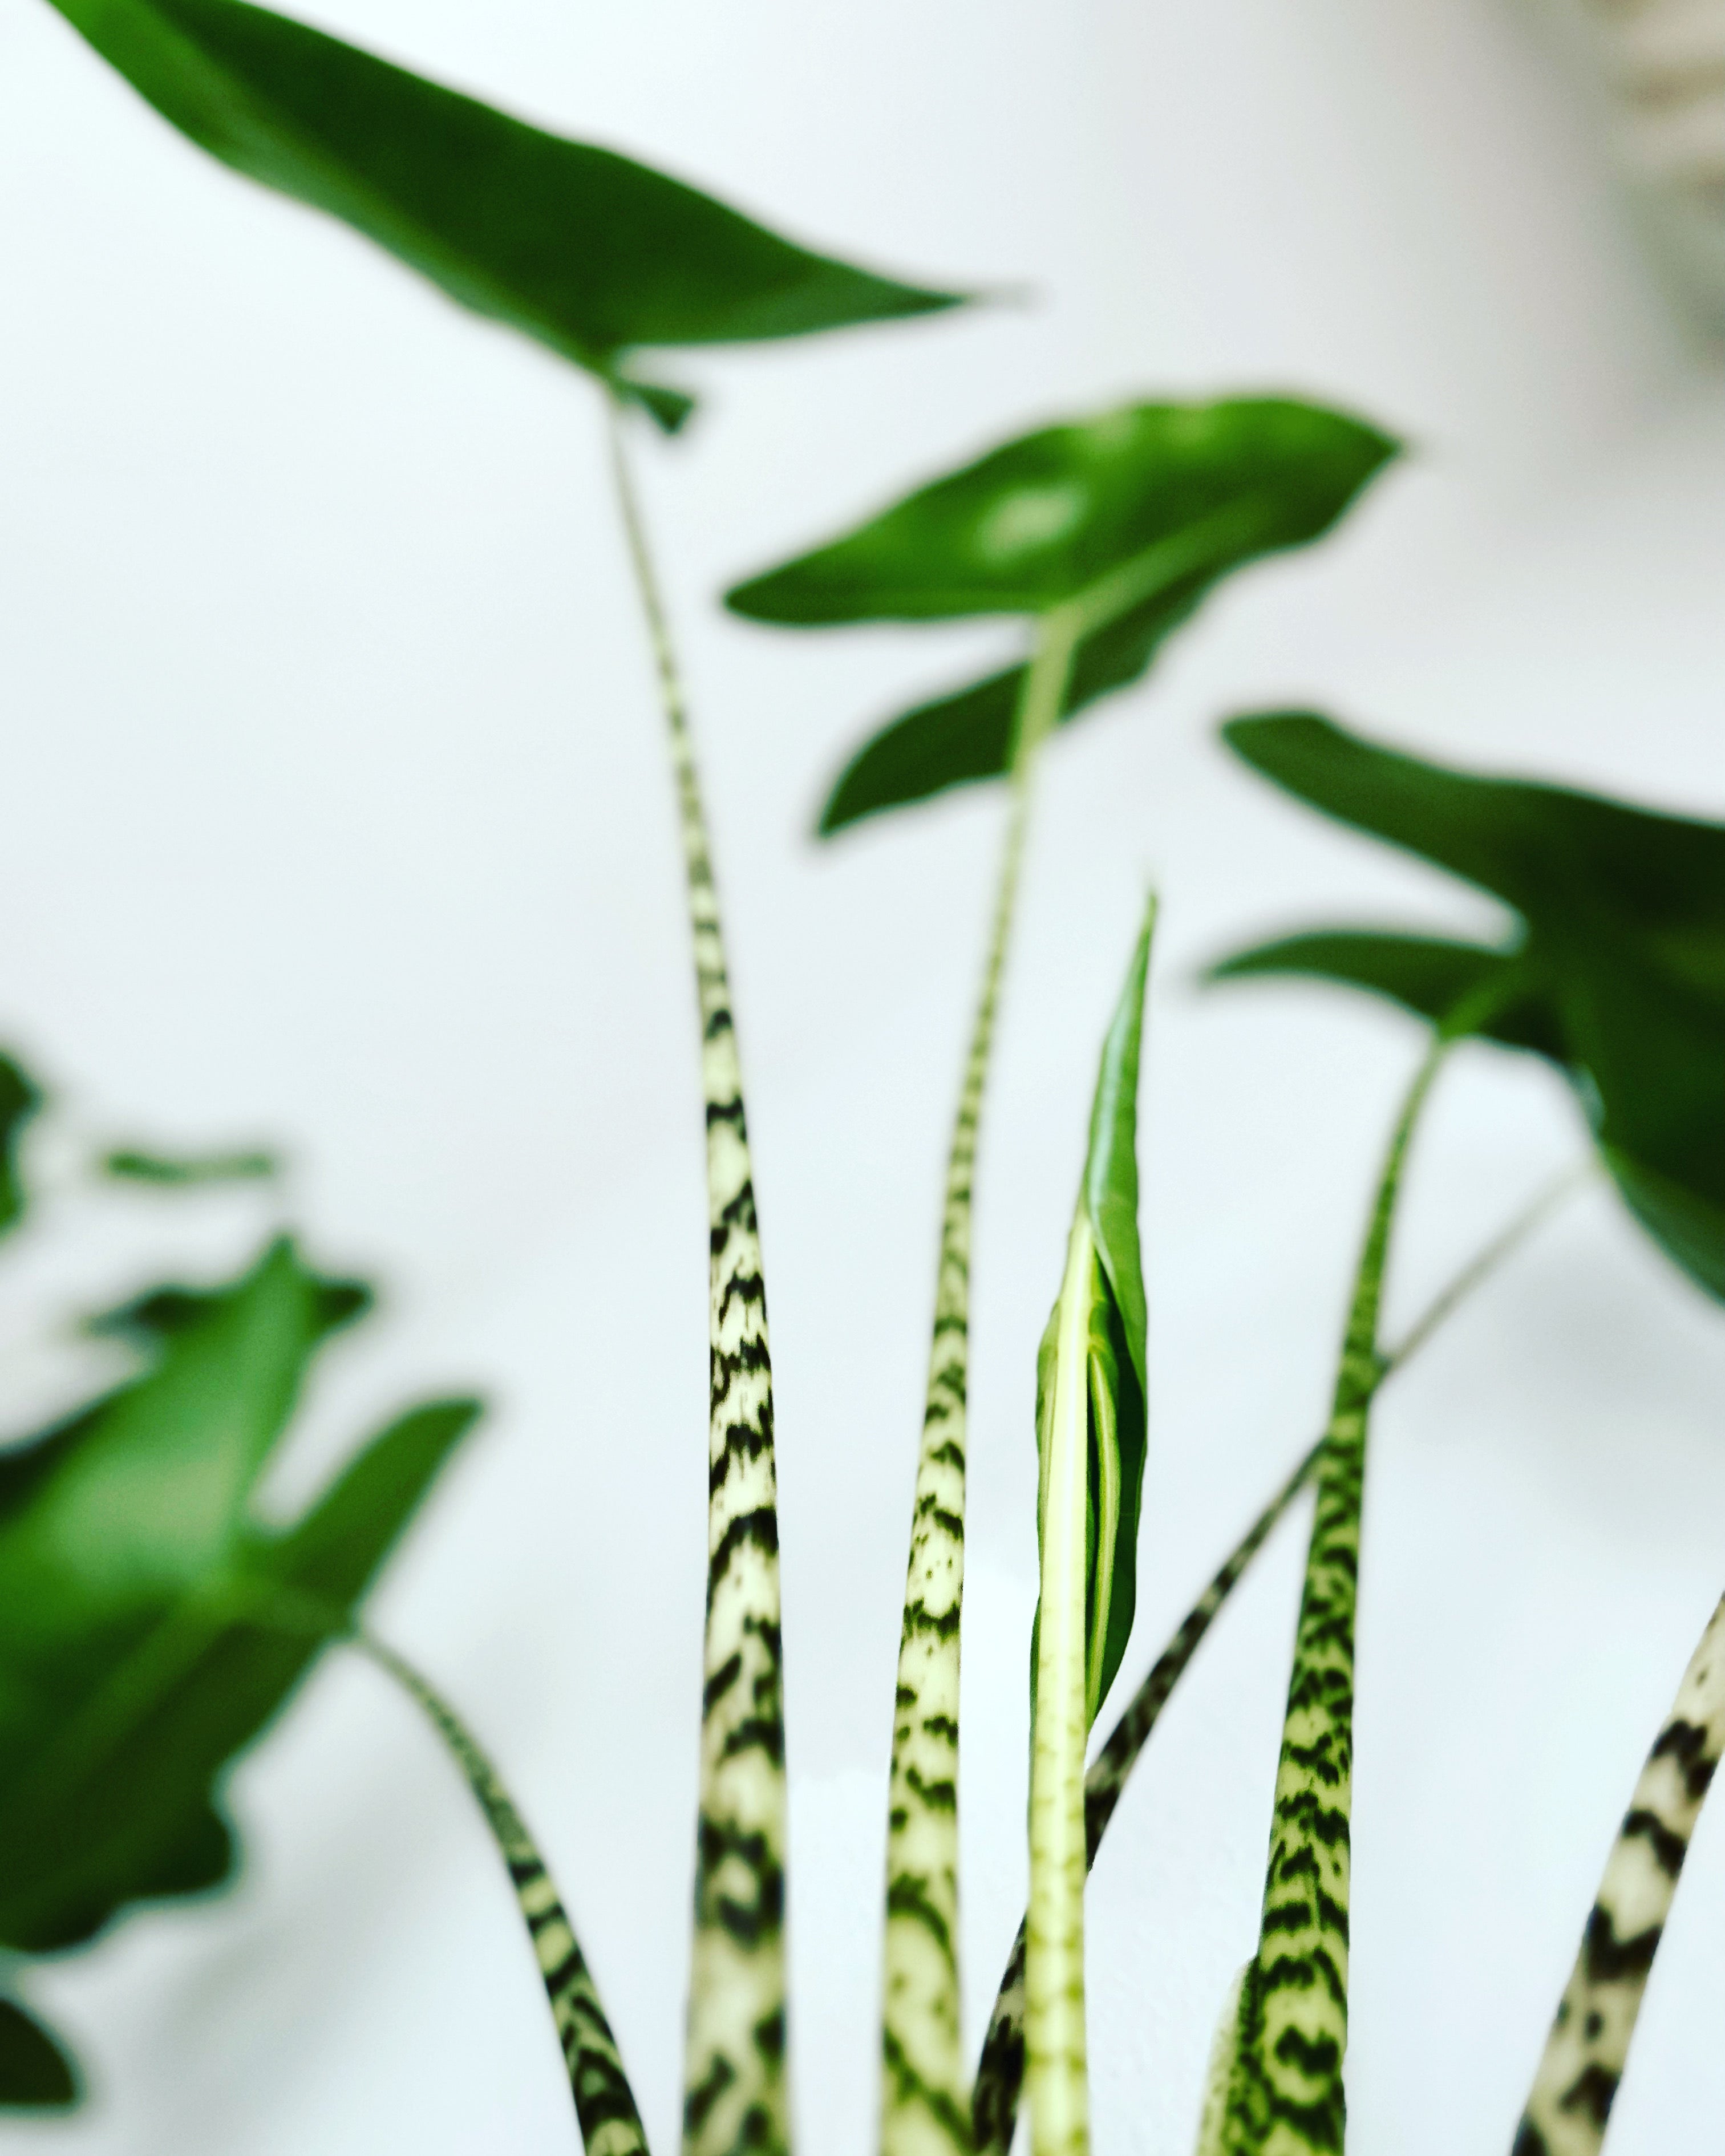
column 1584, row 2056
column 735, row 2084
column 605, row 2104
column 1292, row 2031
column 925, row 2086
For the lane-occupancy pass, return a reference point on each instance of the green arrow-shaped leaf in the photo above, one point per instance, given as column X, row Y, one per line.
column 1089, row 1443
column 136, row 1659
column 583, row 249
column 1130, row 518
column 1616, row 972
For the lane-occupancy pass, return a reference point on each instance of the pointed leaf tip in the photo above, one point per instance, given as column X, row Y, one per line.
column 584, row 250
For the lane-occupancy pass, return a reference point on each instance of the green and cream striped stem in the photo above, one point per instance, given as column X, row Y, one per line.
column 1284, row 2096
column 610, row 2124
column 1057, row 2080
column 1000, row 2075
column 925, row 2086
column 1577, row 2082
column 736, row 2086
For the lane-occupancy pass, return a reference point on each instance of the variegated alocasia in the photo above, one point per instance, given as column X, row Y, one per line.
column 1576, row 2081
column 600, row 260
column 1105, row 535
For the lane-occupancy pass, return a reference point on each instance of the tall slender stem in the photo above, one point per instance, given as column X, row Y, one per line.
column 605, row 2104
column 925, row 2087
column 736, row 2087
column 1286, row 2091
column 1584, row 2056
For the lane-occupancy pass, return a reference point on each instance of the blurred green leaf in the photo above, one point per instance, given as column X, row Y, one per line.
column 961, row 738
column 1131, row 518
column 1618, row 975
column 20, row 1097
column 36, row 2074
column 1041, row 520
column 186, row 1171
column 584, row 250
column 140, row 1642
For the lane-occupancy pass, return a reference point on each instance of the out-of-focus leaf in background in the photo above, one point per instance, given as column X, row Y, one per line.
column 1132, row 517
column 589, row 253
column 20, row 1098
column 36, row 2074
column 150, row 1625
column 189, row 1171
column 1615, row 971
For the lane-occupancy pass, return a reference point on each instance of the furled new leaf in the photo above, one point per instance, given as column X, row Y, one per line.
column 35, row 2071
column 134, row 1663
column 1089, row 1442
column 1130, row 518
column 1114, row 1328
column 1617, row 973
column 19, row 1099
column 583, row 249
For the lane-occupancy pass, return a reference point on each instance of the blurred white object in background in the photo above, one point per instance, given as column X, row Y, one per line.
column 1663, row 66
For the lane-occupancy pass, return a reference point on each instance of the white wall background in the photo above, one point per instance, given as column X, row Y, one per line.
column 336, row 811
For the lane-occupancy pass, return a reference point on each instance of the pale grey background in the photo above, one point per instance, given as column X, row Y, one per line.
column 337, row 810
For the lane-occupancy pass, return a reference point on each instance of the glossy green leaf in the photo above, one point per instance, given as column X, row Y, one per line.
column 36, row 2073
column 20, row 1098
column 133, row 1665
column 1131, row 517
column 189, row 1171
column 1191, row 489
column 1618, row 973
column 584, row 250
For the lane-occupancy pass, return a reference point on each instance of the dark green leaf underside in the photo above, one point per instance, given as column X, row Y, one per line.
column 960, row 739
column 577, row 247
column 1618, row 977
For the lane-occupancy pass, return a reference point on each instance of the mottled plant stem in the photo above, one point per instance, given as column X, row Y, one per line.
column 736, row 2086
column 1584, row 2056
column 1000, row 2073
column 925, row 2087
column 1286, row 2096
column 610, row 2124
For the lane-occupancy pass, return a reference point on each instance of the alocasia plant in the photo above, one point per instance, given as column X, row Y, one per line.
column 1102, row 536
column 601, row 259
